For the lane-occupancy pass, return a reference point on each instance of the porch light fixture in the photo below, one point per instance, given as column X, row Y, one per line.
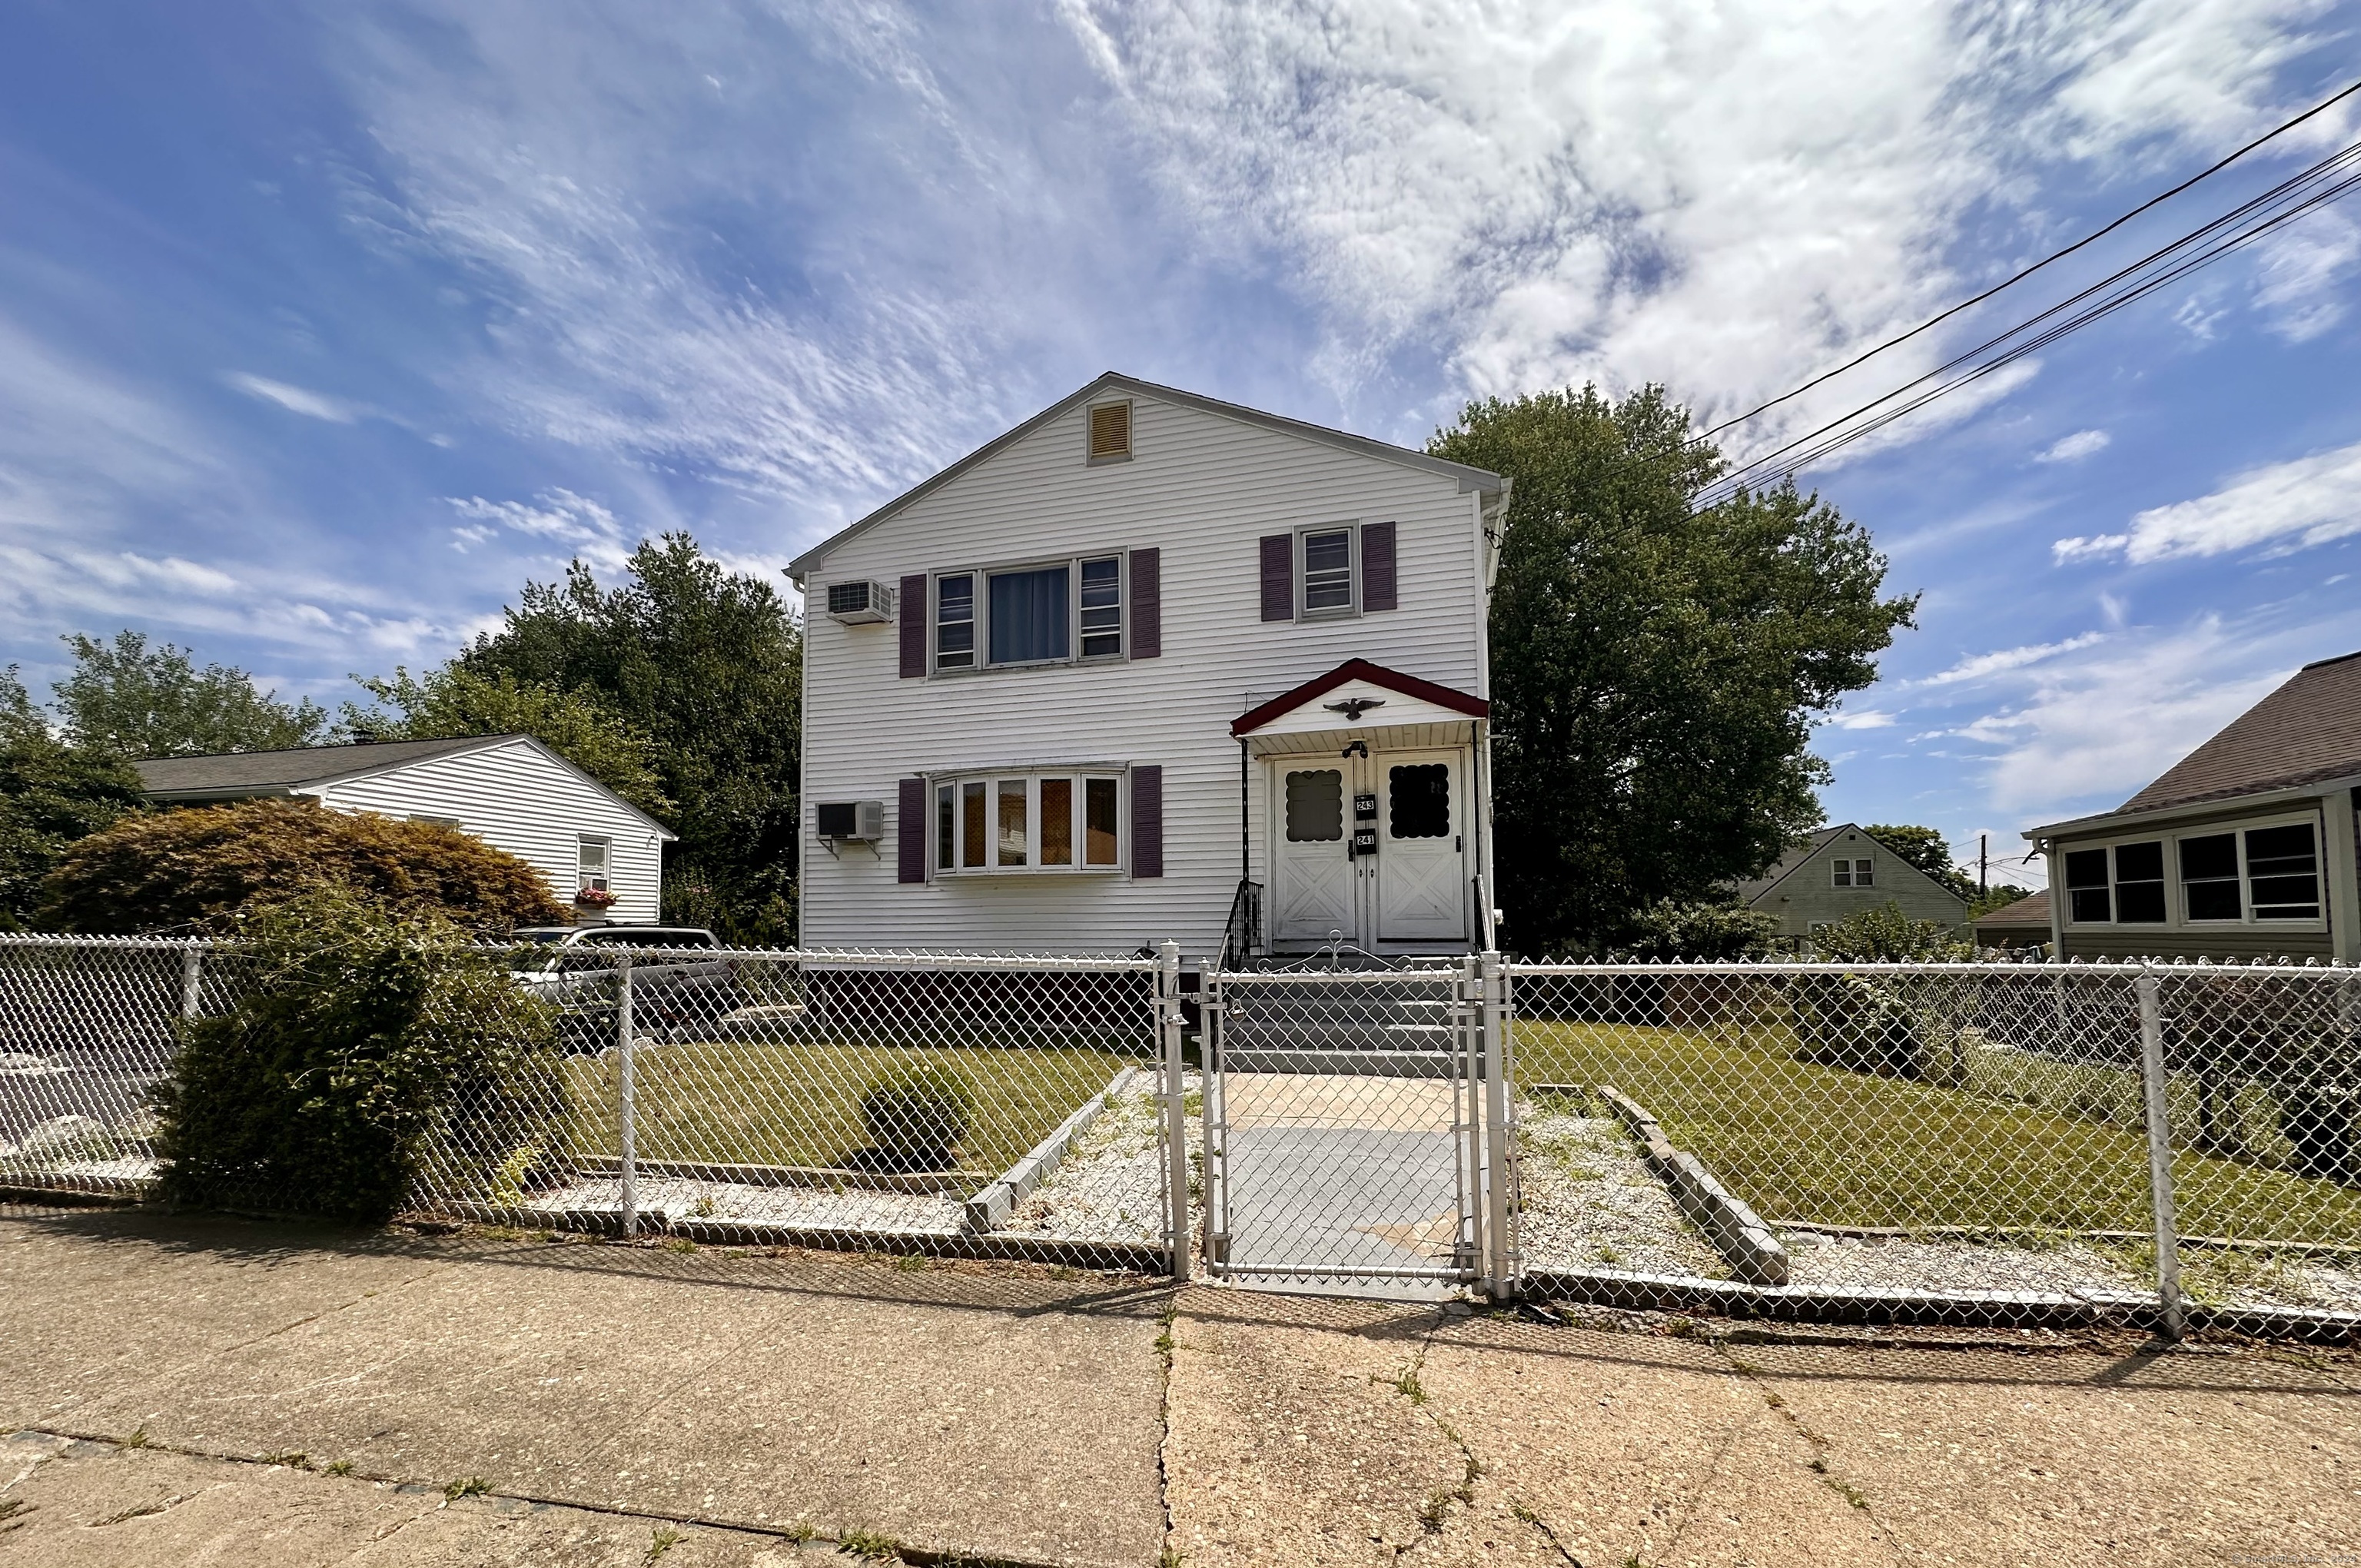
column 1358, row 748
column 1352, row 707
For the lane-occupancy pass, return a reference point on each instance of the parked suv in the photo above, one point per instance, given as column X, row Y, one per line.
column 671, row 989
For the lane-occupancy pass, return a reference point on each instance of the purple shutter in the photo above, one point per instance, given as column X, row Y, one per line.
column 1146, row 604
column 1377, row 567
column 1147, row 821
column 910, row 607
column 910, row 829
column 1279, row 577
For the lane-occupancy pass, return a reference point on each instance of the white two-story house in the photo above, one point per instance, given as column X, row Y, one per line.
column 1153, row 665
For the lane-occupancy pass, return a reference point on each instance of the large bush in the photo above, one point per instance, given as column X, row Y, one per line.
column 1667, row 932
column 366, row 1049
column 202, row 868
column 916, row 1116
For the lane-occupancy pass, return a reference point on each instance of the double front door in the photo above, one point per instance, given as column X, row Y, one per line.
column 1371, row 850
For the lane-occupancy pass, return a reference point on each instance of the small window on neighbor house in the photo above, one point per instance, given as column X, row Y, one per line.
column 1110, row 432
column 2139, row 883
column 1848, row 873
column 2209, row 877
column 591, row 861
column 2282, row 872
column 2086, row 897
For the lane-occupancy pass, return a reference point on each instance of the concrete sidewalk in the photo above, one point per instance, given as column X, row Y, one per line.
column 187, row 1390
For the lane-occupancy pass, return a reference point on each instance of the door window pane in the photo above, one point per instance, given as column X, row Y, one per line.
column 2282, row 873
column 2086, row 885
column 1418, row 800
column 1328, row 570
column 1101, row 606
column 974, row 830
column 1057, row 822
column 1030, row 615
column 1012, row 836
column 2209, row 877
column 946, row 834
column 954, row 622
column 1099, row 821
column 2139, row 883
column 1315, row 806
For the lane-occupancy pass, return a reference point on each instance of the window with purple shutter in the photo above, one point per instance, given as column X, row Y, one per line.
column 1147, row 821
column 910, row 827
column 914, row 611
column 1146, row 604
column 1279, row 577
column 1377, row 567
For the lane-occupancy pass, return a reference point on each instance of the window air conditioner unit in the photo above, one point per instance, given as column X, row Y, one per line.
column 855, row 820
column 859, row 604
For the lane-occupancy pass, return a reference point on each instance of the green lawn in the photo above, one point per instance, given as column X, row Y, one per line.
column 745, row 1103
column 1806, row 1143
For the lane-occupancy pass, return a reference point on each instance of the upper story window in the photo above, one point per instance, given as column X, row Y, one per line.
column 2243, row 875
column 1036, row 614
column 1853, row 873
column 1328, row 576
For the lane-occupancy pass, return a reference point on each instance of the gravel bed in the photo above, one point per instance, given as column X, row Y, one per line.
column 1590, row 1201
column 1110, row 1186
column 817, row 1208
column 1893, row 1263
column 2267, row 1279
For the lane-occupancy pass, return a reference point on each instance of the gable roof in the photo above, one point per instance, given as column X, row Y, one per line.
column 2307, row 731
column 1802, row 850
column 300, row 766
column 1469, row 478
column 1359, row 670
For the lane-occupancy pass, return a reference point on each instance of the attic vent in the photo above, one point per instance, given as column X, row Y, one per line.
column 1110, row 432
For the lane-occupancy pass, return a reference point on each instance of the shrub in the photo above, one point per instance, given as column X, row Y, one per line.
column 1886, row 935
column 1668, row 931
column 366, row 1049
column 917, row 1115
column 202, row 868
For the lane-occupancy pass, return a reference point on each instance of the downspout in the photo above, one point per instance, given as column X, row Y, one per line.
column 1246, row 834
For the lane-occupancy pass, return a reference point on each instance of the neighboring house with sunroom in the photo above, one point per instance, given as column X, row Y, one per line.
column 1154, row 666
column 511, row 791
column 2242, row 849
column 1842, row 870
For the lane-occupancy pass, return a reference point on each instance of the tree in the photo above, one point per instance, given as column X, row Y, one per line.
column 580, row 726
column 708, row 664
column 51, row 793
column 208, row 869
column 1885, row 934
column 1655, row 670
column 1668, row 932
column 137, row 701
column 1927, row 849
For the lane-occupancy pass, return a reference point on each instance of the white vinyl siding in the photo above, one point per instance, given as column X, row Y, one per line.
column 1203, row 490
column 515, row 797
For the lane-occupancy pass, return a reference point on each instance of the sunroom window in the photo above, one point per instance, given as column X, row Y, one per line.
column 1025, row 823
column 2224, row 876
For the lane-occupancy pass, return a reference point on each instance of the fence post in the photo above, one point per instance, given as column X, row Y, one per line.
column 1176, row 1119
column 1499, row 1268
column 2159, row 1153
column 1213, row 1157
column 193, row 970
column 626, row 1092
column 1468, row 1108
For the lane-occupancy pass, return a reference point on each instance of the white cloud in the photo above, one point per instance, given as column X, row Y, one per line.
column 584, row 527
column 2287, row 507
column 2081, row 443
column 296, row 400
column 1866, row 718
column 1983, row 666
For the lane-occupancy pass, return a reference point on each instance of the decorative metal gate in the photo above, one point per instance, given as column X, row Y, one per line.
column 1346, row 1116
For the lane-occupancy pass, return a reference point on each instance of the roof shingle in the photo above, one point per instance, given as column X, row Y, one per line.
column 2307, row 731
column 262, row 772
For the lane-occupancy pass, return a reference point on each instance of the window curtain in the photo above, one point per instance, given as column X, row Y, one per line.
column 1029, row 616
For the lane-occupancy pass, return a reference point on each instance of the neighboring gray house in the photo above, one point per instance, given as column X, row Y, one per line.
column 2025, row 924
column 1153, row 665
column 1841, row 870
column 511, row 791
column 2242, row 849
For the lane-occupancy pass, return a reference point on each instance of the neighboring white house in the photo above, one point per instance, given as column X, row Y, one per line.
column 511, row 791
column 1154, row 666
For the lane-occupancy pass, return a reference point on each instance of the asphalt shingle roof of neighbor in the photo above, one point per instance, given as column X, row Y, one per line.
column 2307, row 731
column 289, row 769
column 2033, row 909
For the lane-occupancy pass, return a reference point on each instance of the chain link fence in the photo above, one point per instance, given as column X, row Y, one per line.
column 1991, row 1142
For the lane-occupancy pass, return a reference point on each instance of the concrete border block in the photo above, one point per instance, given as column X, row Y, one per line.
column 992, row 1203
column 1736, row 1231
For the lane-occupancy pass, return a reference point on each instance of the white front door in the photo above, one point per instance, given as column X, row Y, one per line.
column 1315, row 892
column 1423, row 890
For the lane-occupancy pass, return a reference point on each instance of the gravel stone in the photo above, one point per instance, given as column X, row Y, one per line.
column 1110, row 1186
column 1590, row 1201
column 818, row 1207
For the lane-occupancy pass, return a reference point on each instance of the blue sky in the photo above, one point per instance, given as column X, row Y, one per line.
column 323, row 328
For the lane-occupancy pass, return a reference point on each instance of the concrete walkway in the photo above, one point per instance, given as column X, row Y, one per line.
column 210, row 1390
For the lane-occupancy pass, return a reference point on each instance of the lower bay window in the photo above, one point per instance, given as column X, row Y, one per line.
column 1028, row 822
column 2264, row 873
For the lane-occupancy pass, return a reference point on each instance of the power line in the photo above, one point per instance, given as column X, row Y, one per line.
column 2055, row 255
column 2322, row 182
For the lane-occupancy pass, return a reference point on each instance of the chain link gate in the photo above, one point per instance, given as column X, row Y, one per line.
column 1344, row 1124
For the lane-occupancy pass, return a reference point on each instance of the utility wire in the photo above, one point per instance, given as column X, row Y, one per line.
column 2091, row 238
column 2323, row 182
